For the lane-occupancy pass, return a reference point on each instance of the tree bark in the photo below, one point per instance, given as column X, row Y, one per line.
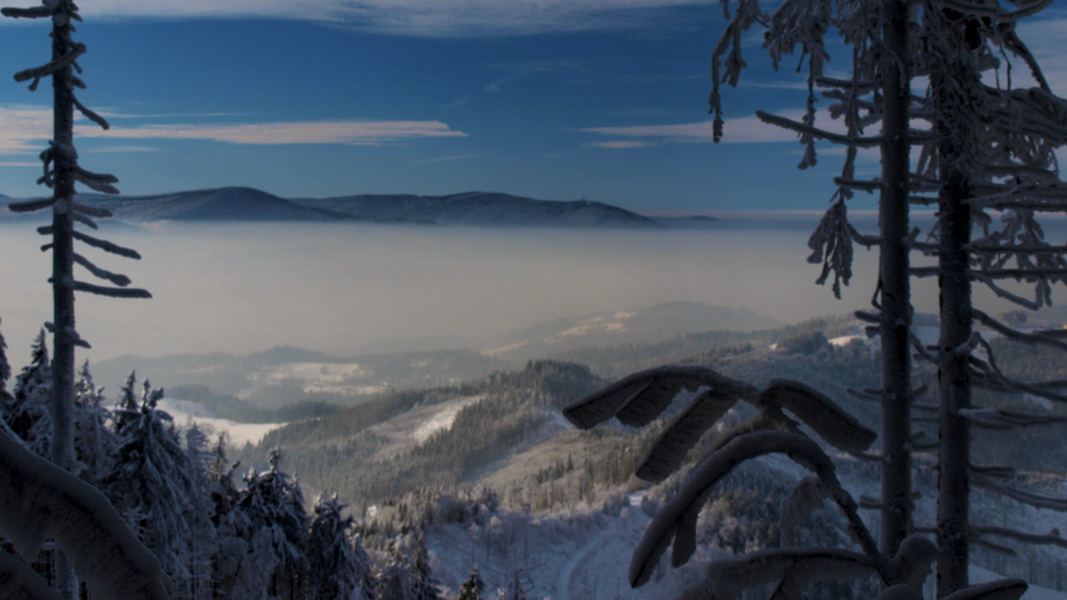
column 63, row 365
column 955, row 387
column 895, row 283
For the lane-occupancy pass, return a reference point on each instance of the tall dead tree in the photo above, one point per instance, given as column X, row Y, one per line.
column 992, row 159
column 61, row 173
column 984, row 146
column 877, row 96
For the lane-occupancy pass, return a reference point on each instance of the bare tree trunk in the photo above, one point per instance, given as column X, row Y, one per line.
column 63, row 280
column 894, row 278
column 955, row 79
column 955, row 386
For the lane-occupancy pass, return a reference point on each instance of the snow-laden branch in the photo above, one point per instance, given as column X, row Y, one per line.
column 100, row 182
column 53, row 67
column 819, row 412
column 89, row 114
column 1034, row 337
column 113, row 292
column 682, row 434
column 107, row 246
column 996, row 418
column 39, row 500
column 92, row 211
column 115, row 278
column 1024, row 496
column 1053, row 537
column 35, row 12
column 31, row 205
column 677, row 520
column 84, row 220
column 637, row 399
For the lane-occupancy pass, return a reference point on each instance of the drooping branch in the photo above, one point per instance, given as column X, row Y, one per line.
column 53, row 67
column 115, row 278
column 1051, row 538
column 107, row 246
column 1026, row 497
column 997, row 418
column 677, row 519
column 31, row 205
column 81, row 286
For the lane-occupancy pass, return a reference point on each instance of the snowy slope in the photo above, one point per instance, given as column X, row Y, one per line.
column 239, row 434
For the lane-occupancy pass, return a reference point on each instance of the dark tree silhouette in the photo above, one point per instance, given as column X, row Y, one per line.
column 61, row 172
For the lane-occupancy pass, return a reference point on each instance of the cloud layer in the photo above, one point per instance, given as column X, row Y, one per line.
column 25, row 128
column 440, row 18
column 744, row 130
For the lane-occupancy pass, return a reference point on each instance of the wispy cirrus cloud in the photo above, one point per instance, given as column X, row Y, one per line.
column 365, row 133
column 745, row 130
column 24, row 129
column 440, row 18
column 621, row 144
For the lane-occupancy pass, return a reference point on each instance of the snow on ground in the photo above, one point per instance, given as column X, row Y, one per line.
column 400, row 434
column 563, row 557
column 320, row 377
column 239, row 434
column 443, row 419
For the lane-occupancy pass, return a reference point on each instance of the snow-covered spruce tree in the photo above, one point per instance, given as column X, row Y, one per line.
column 95, row 442
column 199, row 513
column 340, row 568
column 28, row 413
column 473, row 587
column 775, row 428
column 424, row 586
column 875, row 96
column 395, row 578
column 61, row 172
column 152, row 485
column 274, row 503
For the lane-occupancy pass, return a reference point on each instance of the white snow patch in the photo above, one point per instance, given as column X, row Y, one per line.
column 845, row 340
column 443, row 419
column 239, row 434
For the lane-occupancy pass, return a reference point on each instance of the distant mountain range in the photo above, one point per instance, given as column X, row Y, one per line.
column 472, row 209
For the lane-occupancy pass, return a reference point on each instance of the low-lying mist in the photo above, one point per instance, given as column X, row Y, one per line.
column 337, row 288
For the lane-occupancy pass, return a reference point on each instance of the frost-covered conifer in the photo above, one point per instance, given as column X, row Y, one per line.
column 29, row 414
column 339, row 569
column 424, row 584
column 199, row 514
column 473, row 587
column 396, row 578
column 274, row 503
column 153, row 485
column 95, row 442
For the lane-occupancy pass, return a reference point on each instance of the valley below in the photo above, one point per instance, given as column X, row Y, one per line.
column 469, row 446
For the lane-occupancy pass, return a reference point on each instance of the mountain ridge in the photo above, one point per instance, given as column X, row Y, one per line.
column 467, row 209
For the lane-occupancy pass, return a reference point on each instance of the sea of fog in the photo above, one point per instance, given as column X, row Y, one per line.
column 338, row 288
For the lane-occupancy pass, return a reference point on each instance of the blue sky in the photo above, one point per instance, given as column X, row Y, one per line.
column 555, row 99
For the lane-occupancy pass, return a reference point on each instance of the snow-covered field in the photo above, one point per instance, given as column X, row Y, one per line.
column 239, row 434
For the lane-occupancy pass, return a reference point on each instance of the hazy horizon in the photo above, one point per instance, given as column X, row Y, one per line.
column 339, row 287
